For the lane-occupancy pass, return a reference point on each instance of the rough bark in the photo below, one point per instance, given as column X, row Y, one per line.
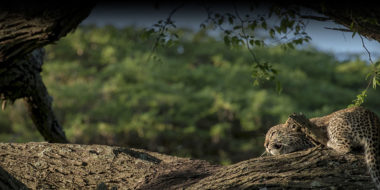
column 24, row 28
column 7, row 181
column 29, row 26
column 70, row 166
column 39, row 104
column 23, row 80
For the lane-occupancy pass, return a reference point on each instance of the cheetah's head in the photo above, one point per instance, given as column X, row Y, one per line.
column 284, row 138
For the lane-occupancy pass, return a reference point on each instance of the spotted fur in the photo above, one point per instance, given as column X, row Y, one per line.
column 347, row 129
column 280, row 140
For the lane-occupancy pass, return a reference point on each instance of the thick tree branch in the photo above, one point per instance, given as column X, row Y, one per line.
column 26, row 27
column 23, row 80
column 40, row 107
column 70, row 166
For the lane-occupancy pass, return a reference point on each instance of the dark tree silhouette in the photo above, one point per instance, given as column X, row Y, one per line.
column 23, row 29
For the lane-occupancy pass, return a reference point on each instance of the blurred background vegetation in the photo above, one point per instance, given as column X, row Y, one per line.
column 195, row 99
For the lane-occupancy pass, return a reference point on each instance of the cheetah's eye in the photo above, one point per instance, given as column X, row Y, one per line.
column 277, row 146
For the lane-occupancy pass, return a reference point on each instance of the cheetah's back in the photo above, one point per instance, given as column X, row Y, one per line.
column 357, row 127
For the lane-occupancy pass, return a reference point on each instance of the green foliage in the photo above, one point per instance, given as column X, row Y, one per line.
column 199, row 101
column 359, row 99
column 260, row 24
column 247, row 30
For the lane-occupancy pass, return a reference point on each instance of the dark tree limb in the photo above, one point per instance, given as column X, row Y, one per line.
column 70, row 166
column 39, row 103
column 23, row 80
column 363, row 18
column 26, row 27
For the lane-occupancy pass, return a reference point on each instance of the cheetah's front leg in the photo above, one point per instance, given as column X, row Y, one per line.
column 340, row 136
column 339, row 145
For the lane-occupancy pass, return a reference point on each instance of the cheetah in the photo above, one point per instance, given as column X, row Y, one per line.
column 346, row 130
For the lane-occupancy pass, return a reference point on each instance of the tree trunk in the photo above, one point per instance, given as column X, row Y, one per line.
column 24, row 28
column 70, row 166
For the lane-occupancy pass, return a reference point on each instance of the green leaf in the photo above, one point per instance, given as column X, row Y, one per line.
column 253, row 25
column 353, row 34
column 230, row 20
column 360, row 98
column 272, row 33
column 278, row 29
column 251, row 42
column 237, row 27
column 368, row 75
column 298, row 28
column 264, row 25
column 352, row 25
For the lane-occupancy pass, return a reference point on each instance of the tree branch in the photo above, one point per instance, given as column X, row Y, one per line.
column 23, row 80
column 318, row 18
column 27, row 27
column 70, row 166
column 339, row 29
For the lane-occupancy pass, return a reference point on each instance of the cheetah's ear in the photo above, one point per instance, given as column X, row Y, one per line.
column 291, row 123
column 290, row 119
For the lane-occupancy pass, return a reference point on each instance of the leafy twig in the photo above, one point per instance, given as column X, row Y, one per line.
column 360, row 98
column 368, row 52
column 162, row 28
column 245, row 36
